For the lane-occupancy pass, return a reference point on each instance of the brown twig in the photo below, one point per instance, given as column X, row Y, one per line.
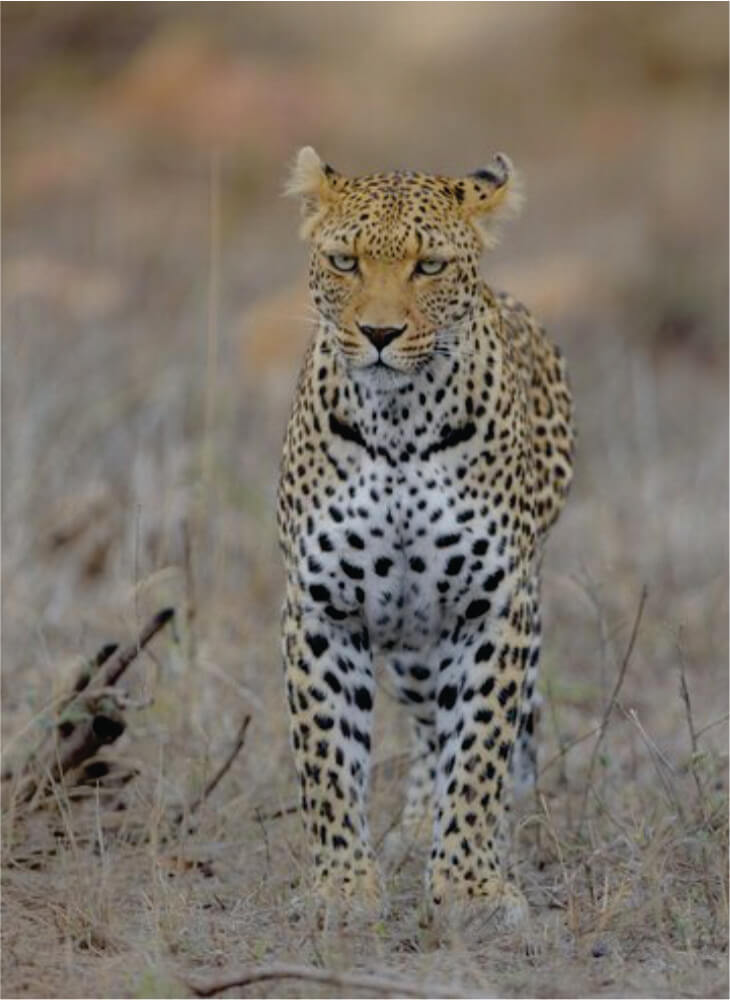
column 371, row 985
column 124, row 657
column 684, row 691
column 222, row 770
column 612, row 701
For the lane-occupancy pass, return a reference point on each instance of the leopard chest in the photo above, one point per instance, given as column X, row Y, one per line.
column 408, row 549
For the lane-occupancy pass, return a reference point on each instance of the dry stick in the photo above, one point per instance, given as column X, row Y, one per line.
column 566, row 748
column 124, row 657
column 662, row 765
column 63, row 764
column 102, row 724
column 247, row 974
column 563, row 777
column 684, row 691
column 612, row 700
column 711, row 725
column 212, row 784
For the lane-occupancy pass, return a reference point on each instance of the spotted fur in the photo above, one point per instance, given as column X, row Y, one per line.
column 428, row 452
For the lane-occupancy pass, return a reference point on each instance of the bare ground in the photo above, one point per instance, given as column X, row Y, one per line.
column 149, row 352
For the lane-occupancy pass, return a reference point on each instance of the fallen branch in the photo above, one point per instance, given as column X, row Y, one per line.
column 612, row 701
column 371, row 985
column 60, row 705
column 89, row 717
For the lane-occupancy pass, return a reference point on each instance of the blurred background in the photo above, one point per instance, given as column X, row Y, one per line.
column 154, row 316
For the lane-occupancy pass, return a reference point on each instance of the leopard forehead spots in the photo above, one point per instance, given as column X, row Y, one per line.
column 397, row 213
column 428, row 452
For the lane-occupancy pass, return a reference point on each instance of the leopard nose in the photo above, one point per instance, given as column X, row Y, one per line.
column 381, row 336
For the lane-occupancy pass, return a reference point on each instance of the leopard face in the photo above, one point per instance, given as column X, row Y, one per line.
column 394, row 258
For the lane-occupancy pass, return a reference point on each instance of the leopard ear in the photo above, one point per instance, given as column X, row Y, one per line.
column 315, row 183
column 490, row 196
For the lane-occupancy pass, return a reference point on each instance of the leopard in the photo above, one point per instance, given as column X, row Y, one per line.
column 428, row 452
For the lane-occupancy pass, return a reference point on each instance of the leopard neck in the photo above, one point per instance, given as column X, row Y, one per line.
column 401, row 416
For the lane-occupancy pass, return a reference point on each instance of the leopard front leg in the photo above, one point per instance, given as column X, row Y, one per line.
column 478, row 710
column 330, row 686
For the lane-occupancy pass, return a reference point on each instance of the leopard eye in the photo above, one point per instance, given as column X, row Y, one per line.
column 430, row 267
column 343, row 262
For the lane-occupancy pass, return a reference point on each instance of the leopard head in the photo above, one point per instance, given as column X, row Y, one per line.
column 394, row 257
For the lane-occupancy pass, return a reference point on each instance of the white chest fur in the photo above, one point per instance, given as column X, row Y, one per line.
column 407, row 548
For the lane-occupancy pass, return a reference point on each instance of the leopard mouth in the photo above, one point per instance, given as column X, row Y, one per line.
column 381, row 365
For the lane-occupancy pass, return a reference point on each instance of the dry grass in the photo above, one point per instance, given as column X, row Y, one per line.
column 140, row 456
